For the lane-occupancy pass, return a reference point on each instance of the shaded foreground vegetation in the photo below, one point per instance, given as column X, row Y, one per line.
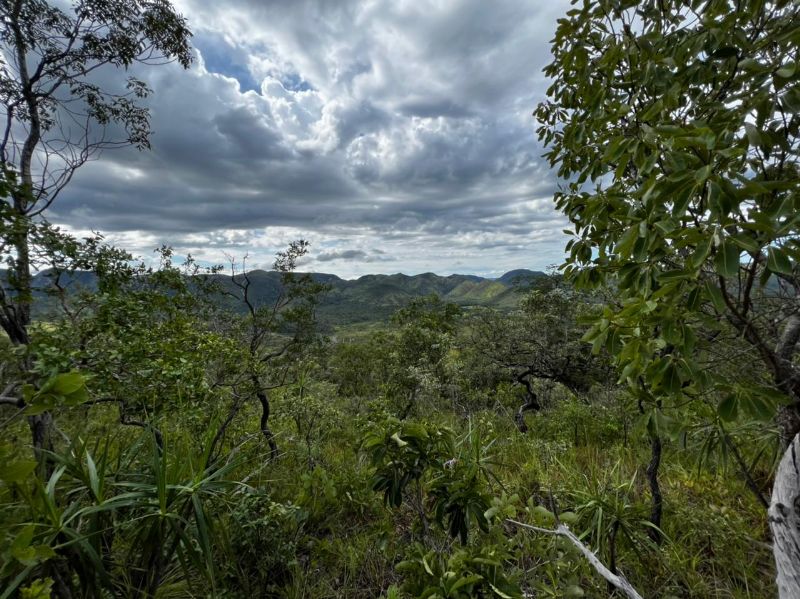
column 391, row 463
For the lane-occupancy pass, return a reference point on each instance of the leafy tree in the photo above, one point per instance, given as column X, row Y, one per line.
column 426, row 328
column 57, row 116
column 145, row 339
column 274, row 335
column 541, row 340
column 675, row 126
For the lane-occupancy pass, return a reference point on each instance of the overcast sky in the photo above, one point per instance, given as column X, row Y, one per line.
column 395, row 136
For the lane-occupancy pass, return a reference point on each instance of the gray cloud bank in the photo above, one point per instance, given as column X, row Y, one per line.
column 360, row 125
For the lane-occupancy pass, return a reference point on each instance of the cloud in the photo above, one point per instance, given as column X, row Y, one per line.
column 353, row 255
column 356, row 124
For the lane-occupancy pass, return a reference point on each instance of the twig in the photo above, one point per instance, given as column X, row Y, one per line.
column 617, row 580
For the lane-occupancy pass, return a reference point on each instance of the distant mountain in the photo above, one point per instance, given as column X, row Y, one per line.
column 520, row 276
column 370, row 298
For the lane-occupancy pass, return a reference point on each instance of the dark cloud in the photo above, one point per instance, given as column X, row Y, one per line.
column 353, row 255
column 402, row 125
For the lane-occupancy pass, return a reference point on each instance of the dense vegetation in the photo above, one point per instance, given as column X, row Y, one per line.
column 399, row 463
column 180, row 431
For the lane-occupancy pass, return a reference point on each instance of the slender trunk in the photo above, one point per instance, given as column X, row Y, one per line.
column 265, row 430
column 41, row 427
column 216, row 444
column 657, row 500
column 784, row 522
column 23, row 198
column 531, row 404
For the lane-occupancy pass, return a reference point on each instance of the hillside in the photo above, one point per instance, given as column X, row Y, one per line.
column 370, row 298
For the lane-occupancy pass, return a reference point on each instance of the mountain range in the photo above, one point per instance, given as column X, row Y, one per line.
column 370, row 298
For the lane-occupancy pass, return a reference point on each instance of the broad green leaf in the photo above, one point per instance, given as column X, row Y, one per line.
column 787, row 70
column 728, row 408
column 702, row 252
column 778, row 261
column 67, row 383
column 726, row 261
column 715, row 294
column 753, row 135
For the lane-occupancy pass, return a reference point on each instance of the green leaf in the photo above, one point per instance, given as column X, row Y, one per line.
column 791, row 100
column 787, row 70
column 728, row 408
column 41, row 404
column 702, row 174
column 76, row 398
column 757, row 407
column 94, row 481
column 715, row 294
column 396, row 438
column 568, row 517
column 466, row 580
column 778, row 261
column 726, row 261
column 745, row 242
column 498, row 592
column 674, row 275
column 67, row 383
column 426, row 565
column 701, row 252
column 753, row 135
column 542, row 515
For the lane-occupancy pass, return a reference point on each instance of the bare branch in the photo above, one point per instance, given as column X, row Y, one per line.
column 561, row 530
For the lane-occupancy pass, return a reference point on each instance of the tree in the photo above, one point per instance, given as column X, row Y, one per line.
column 424, row 337
column 541, row 340
column 675, row 127
column 57, row 116
column 274, row 334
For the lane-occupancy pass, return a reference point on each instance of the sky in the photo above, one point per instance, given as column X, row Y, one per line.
column 394, row 136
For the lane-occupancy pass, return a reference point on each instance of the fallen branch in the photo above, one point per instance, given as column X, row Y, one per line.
column 617, row 580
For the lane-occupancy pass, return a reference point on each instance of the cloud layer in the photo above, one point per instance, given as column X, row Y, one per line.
column 395, row 136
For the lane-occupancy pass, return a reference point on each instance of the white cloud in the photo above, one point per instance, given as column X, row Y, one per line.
column 400, row 126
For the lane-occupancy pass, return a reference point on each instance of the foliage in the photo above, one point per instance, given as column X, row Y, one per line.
column 683, row 114
column 263, row 542
column 465, row 573
column 401, row 452
column 684, row 119
column 153, row 497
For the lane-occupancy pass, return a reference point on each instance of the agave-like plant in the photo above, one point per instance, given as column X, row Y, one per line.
column 609, row 514
column 121, row 523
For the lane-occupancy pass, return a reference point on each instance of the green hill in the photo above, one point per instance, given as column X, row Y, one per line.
column 370, row 298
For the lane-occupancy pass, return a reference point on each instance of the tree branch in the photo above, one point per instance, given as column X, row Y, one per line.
column 618, row 580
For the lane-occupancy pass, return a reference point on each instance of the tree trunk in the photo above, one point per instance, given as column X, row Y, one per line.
column 657, row 500
column 784, row 522
column 265, row 430
column 531, row 403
